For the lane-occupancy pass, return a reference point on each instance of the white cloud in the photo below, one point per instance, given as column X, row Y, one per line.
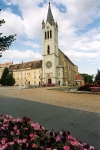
column 13, row 24
column 18, row 56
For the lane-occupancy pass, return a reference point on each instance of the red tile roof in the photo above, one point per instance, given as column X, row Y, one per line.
column 79, row 77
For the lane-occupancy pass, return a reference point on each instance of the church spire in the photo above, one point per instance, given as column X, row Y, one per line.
column 49, row 16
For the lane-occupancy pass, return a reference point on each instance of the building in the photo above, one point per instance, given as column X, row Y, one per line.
column 54, row 68
column 30, row 72
column 2, row 66
column 57, row 67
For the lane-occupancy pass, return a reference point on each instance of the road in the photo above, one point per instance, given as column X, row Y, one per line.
column 83, row 125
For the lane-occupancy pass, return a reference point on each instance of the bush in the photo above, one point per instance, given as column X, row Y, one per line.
column 9, row 80
column 87, row 86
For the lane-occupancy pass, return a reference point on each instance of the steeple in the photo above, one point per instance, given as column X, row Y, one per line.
column 49, row 16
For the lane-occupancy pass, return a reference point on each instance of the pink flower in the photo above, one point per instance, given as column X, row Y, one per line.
column 66, row 148
column 11, row 133
column 15, row 127
column 24, row 140
column 27, row 144
column 75, row 143
column 17, row 133
column 57, row 138
column 42, row 147
column 11, row 143
column 3, row 141
column 34, row 145
column 26, row 128
column 31, row 135
column 48, row 148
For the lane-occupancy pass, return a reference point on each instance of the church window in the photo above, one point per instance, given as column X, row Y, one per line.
column 45, row 35
column 48, row 50
column 59, row 74
column 50, row 34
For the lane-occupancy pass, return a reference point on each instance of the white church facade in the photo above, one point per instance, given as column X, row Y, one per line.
column 54, row 68
column 57, row 67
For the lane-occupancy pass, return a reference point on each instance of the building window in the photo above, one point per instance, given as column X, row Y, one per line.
column 39, row 76
column 50, row 34
column 45, row 35
column 48, row 50
column 34, row 82
column 59, row 74
column 34, row 77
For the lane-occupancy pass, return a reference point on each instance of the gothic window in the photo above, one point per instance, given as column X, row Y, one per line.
column 48, row 50
column 50, row 34
column 45, row 35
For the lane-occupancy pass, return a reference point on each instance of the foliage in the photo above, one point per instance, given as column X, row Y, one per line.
column 87, row 86
column 9, row 80
column 87, row 78
column 97, row 77
column 5, row 41
column 4, row 75
column 23, row 134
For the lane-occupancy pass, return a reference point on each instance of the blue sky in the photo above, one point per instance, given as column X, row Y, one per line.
column 78, row 25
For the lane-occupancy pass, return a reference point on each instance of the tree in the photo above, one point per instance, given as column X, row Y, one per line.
column 5, row 41
column 87, row 78
column 9, row 80
column 4, row 75
column 97, row 77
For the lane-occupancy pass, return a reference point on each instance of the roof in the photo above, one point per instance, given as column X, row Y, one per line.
column 66, row 57
column 79, row 77
column 32, row 65
column 49, row 16
column 6, row 64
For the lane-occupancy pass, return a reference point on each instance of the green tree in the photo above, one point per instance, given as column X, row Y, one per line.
column 97, row 77
column 5, row 41
column 9, row 80
column 87, row 78
column 4, row 75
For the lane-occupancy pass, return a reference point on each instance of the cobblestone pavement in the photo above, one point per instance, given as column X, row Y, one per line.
column 87, row 102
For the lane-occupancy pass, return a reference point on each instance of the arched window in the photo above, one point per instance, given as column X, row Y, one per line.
column 48, row 49
column 45, row 35
column 50, row 34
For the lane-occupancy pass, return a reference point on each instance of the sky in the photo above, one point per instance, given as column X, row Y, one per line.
column 78, row 30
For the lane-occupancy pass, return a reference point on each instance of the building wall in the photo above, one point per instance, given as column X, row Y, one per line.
column 69, row 69
column 33, row 76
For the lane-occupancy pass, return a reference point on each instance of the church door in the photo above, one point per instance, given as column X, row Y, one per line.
column 49, row 81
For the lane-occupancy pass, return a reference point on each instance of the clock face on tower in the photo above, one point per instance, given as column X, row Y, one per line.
column 48, row 64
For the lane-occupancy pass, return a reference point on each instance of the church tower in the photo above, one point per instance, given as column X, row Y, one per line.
column 50, row 49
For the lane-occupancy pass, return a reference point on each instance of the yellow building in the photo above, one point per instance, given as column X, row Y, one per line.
column 27, row 72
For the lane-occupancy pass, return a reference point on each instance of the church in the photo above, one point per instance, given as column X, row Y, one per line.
column 57, row 67
column 54, row 68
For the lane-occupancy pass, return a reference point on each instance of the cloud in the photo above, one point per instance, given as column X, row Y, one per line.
column 13, row 24
column 17, row 56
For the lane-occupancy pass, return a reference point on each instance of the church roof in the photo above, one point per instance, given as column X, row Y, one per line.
column 49, row 16
column 32, row 65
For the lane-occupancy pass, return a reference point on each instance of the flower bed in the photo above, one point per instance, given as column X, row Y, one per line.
column 48, row 85
column 23, row 134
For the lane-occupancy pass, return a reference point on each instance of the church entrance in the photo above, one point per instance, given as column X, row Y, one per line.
column 49, row 81
column 59, row 82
